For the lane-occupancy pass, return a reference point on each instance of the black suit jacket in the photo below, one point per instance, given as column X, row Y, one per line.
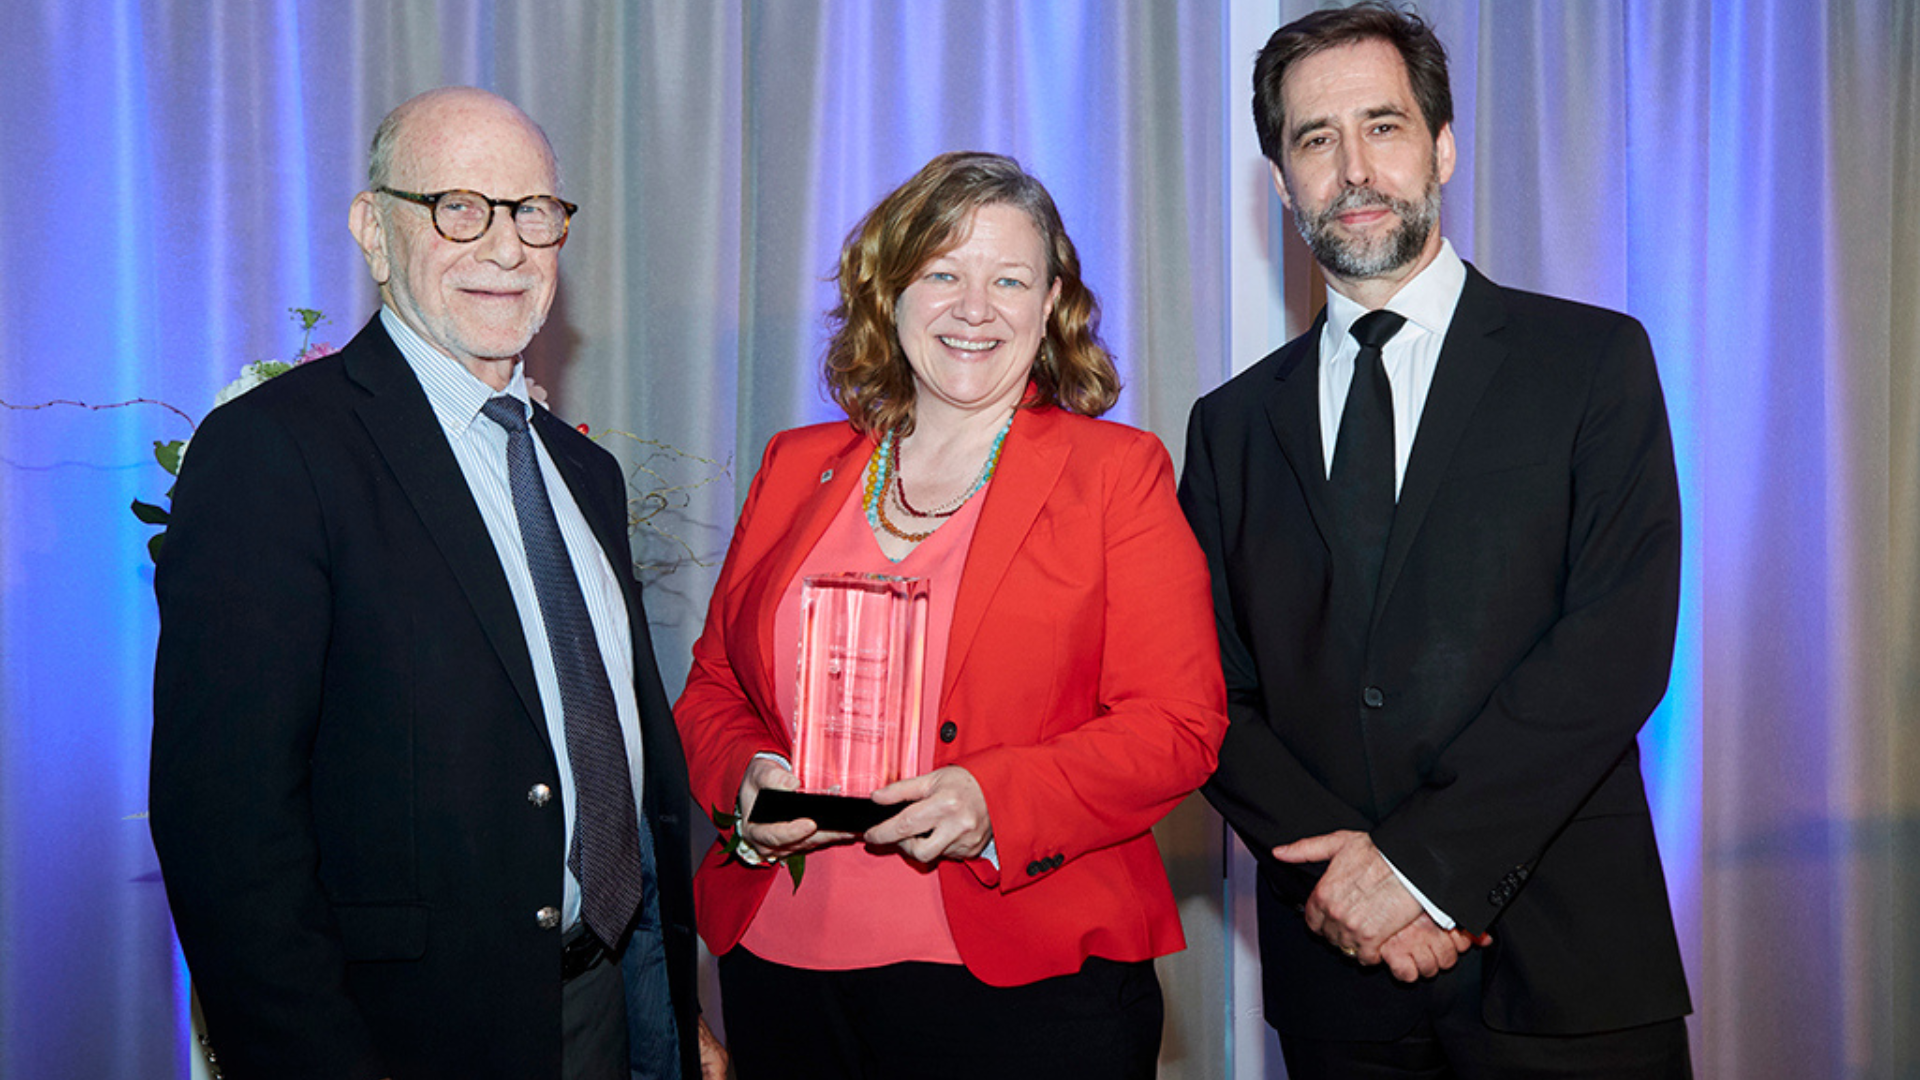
column 347, row 731
column 1522, row 633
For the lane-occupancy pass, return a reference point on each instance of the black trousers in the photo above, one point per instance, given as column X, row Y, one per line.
column 1452, row 1042
column 918, row 1020
column 593, row 1024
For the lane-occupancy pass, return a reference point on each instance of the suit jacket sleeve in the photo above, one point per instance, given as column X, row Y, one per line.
column 1263, row 790
column 1568, row 713
column 245, row 615
column 1092, row 781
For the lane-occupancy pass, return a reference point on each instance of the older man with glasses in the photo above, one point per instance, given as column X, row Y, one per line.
column 416, row 790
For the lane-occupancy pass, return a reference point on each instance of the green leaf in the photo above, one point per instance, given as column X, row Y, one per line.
column 153, row 546
column 723, row 820
column 796, row 868
column 308, row 318
column 168, row 454
column 149, row 513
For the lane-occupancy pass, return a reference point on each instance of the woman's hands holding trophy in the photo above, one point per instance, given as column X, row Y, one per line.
column 944, row 817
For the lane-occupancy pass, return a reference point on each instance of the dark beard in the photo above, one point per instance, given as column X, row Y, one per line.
column 1349, row 258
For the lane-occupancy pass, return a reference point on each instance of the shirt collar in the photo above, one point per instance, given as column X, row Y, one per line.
column 455, row 393
column 1427, row 300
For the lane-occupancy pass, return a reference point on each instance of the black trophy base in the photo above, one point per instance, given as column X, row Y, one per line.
column 835, row 813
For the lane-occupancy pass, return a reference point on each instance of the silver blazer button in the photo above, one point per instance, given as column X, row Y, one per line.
column 539, row 794
column 547, row 917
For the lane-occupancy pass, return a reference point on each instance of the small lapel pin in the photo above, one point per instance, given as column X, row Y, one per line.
column 826, row 476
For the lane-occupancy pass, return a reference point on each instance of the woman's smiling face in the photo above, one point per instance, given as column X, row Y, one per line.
column 972, row 321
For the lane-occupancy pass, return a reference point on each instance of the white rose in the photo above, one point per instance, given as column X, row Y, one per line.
column 250, row 376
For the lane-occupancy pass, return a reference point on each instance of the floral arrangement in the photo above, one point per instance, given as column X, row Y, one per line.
column 171, row 454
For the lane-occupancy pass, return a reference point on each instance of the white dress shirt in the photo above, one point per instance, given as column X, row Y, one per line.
column 480, row 446
column 1427, row 301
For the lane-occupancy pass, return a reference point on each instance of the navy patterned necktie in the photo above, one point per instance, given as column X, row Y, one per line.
column 1361, row 484
column 605, row 856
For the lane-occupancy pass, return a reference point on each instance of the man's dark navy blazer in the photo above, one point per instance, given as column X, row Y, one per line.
column 348, row 739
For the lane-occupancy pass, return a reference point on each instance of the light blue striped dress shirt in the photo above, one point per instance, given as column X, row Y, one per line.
column 480, row 446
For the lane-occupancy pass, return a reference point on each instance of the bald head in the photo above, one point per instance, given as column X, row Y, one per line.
column 433, row 110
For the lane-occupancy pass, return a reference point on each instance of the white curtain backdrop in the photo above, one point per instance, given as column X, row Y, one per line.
column 1742, row 176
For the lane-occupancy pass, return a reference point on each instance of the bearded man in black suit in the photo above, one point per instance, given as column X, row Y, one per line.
column 417, row 794
column 1444, row 530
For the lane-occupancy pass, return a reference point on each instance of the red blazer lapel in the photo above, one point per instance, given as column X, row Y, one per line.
column 1030, row 466
column 812, row 498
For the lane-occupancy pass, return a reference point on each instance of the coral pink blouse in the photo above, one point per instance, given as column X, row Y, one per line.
column 858, row 907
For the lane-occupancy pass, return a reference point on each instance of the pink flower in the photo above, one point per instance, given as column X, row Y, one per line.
column 315, row 352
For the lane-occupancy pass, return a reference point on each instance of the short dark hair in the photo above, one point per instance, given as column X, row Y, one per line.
column 922, row 219
column 1425, row 57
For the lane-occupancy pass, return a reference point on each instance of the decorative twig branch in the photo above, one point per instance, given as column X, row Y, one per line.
column 96, row 408
column 661, row 494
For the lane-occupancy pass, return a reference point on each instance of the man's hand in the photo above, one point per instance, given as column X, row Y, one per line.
column 1422, row 950
column 713, row 1057
column 1359, row 903
column 948, row 818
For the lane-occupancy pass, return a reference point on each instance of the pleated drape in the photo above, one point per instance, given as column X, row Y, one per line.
column 1744, row 177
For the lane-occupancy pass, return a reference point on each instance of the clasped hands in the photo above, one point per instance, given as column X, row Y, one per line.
column 1362, row 909
column 946, row 819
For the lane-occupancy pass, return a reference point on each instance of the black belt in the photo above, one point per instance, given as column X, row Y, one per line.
column 580, row 951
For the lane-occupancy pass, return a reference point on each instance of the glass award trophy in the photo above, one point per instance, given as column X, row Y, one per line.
column 857, row 713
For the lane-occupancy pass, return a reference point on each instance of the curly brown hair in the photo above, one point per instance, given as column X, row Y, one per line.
column 922, row 219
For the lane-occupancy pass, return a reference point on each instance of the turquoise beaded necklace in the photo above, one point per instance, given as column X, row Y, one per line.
column 883, row 472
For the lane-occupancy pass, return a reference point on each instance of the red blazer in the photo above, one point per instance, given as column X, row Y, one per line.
column 1082, row 676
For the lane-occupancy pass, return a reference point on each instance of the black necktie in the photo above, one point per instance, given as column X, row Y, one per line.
column 1361, row 484
column 605, row 856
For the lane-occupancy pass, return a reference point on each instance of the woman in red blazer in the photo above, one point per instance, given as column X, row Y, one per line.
column 1004, row 921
